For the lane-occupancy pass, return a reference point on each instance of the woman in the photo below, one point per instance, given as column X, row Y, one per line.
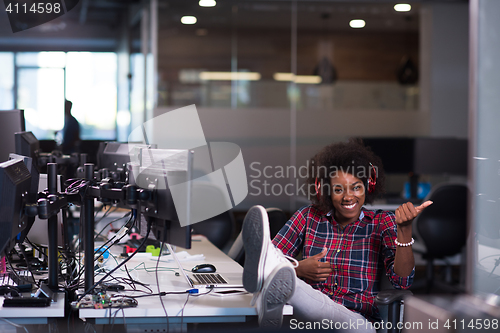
column 345, row 248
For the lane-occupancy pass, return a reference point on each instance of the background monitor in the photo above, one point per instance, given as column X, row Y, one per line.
column 26, row 144
column 15, row 183
column 440, row 156
column 33, row 192
column 397, row 154
column 114, row 156
column 164, row 168
column 11, row 121
column 422, row 156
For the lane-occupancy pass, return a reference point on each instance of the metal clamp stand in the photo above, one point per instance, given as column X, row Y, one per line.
column 88, row 230
column 47, row 208
column 52, row 229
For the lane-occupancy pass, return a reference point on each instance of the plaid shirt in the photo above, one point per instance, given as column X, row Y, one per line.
column 358, row 254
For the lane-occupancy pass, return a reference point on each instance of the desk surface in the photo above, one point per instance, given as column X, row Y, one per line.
column 34, row 315
column 387, row 207
column 202, row 308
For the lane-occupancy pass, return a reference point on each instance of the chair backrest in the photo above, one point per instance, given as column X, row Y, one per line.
column 277, row 219
column 237, row 251
column 218, row 229
column 443, row 225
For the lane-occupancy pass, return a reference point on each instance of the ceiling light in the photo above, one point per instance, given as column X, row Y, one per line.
column 402, row 7
column 207, row 3
column 229, row 76
column 357, row 24
column 306, row 79
column 188, row 20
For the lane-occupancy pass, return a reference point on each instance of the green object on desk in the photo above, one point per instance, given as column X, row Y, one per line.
column 155, row 251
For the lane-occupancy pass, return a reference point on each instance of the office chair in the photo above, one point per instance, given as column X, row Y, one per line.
column 442, row 227
column 393, row 300
column 277, row 219
column 218, row 229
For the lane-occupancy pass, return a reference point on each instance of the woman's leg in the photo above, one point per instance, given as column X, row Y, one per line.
column 315, row 308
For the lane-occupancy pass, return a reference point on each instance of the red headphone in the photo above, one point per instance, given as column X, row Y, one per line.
column 371, row 182
column 372, row 179
column 317, row 186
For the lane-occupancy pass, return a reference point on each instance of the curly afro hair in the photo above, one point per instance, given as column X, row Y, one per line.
column 351, row 157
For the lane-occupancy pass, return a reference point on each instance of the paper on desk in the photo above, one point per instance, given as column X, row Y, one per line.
column 182, row 256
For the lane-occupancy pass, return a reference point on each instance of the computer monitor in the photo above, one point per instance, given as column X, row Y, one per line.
column 15, row 183
column 27, row 144
column 169, row 172
column 421, row 156
column 441, row 156
column 114, row 156
column 396, row 153
column 11, row 121
column 32, row 195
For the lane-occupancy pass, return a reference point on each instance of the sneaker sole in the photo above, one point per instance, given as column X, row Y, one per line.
column 255, row 241
column 279, row 290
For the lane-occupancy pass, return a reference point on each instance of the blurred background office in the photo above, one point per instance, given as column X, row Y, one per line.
column 279, row 78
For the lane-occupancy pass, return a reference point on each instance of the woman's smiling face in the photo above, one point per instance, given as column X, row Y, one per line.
column 348, row 196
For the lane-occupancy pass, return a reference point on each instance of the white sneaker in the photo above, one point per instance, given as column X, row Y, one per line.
column 277, row 290
column 261, row 257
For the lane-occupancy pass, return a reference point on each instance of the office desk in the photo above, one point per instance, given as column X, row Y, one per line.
column 387, row 207
column 181, row 309
column 31, row 316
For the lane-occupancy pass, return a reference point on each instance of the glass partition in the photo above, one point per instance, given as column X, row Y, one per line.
column 45, row 79
column 238, row 55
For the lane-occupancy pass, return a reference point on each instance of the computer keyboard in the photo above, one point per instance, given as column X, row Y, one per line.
column 208, row 278
column 5, row 280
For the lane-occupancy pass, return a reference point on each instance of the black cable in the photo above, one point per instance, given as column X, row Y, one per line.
column 28, row 265
column 98, row 211
column 158, row 282
column 36, row 247
column 182, row 311
column 497, row 262
column 7, row 289
column 114, row 317
column 12, row 267
column 132, row 284
column 118, row 266
column 118, row 219
column 101, row 247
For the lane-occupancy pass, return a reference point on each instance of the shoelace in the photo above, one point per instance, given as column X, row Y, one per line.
column 294, row 262
column 280, row 256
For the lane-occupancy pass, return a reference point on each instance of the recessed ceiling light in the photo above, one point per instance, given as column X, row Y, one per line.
column 306, row 79
column 402, row 7
column 229, row 76
column 188, row 20
column 207, row 3
column 357, row 24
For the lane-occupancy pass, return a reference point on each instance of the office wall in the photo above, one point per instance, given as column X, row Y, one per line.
column 444, row 44
column 265, row 141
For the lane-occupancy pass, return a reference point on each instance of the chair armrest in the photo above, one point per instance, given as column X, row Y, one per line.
column 386, row 297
